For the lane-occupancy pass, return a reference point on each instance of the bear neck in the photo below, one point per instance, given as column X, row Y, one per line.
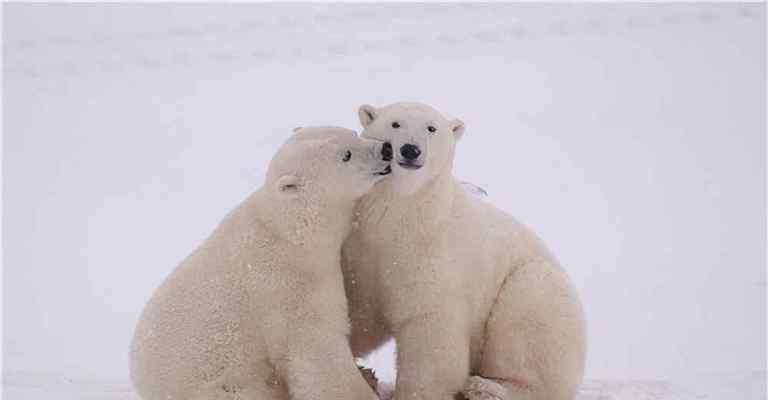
column 422, row 211
column 305, row 223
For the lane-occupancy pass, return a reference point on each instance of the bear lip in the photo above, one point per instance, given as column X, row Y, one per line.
column 409, row 165
column 386, row 171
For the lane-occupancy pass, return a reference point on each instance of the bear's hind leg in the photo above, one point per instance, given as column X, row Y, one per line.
column 535, row 338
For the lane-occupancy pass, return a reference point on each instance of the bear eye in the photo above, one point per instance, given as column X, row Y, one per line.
column 347, row 156
column 395, row 124
column 431, row 129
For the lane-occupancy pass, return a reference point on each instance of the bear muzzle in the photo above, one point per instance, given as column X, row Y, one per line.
column 409, row 156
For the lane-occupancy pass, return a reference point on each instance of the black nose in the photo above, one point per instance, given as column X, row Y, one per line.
column 410, row 151
column 386, row 151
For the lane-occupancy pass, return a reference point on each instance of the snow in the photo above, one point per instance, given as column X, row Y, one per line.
column 630, row 136
column 743, row 386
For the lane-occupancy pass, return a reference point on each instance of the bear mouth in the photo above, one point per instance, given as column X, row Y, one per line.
column 386, row 171
column 408, row 165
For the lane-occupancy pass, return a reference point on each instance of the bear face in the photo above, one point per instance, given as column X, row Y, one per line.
column 422, row 139
column 326, row 164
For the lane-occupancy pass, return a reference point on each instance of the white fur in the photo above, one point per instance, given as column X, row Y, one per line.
column 258, row 310
column 463, row 288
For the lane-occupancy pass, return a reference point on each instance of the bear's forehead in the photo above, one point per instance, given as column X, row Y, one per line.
column 415, row 111
column 316, row 142
column 302, row 151
column 301, row 157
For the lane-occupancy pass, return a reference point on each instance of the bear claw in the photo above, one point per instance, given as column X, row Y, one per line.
column 479, row 388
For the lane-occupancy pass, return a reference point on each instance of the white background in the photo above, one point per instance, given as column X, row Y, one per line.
column 631, row 137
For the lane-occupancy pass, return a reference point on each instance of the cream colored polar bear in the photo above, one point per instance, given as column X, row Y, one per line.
column 473, row 299
column 258, row 310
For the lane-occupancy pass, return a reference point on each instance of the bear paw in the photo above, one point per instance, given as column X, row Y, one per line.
column 479, row 388
column 369, row 376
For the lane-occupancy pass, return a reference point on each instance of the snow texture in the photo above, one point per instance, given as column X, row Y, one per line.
column 630, row 136
column 734, row 387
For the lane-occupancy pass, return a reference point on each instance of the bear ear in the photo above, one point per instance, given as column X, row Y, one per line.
column 367, row 114
column 457, row 127
column 288, row 185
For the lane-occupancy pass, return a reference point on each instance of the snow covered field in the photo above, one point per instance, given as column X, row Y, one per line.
column 631, row 137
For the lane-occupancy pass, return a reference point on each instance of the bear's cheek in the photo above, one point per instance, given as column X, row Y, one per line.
column 439, row 148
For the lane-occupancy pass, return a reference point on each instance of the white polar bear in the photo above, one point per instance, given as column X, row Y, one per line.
column 258, row 310
column 473, row 299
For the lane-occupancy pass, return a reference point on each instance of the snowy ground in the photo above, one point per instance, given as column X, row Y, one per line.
column 632, row 137
column 735, row 387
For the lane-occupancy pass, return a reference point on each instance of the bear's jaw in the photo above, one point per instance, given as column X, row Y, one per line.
column 386, row 171
column 411, row 166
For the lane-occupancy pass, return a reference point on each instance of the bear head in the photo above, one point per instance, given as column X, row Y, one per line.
column 422, row 141
column 326, row 164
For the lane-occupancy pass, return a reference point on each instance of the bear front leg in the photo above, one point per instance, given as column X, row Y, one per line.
column 307, row 340
column 432, row 356
column 325, row 370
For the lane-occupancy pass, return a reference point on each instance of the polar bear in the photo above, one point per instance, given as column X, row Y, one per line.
column 473, row 299
column 258, row 310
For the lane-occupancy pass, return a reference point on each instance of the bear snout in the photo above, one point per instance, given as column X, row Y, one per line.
column 386, row 151
column 410, row 152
